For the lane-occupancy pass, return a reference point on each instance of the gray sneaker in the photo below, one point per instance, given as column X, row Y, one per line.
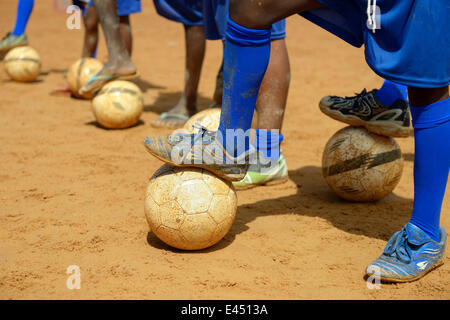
column 202, row 150
column 364, row 110
column 11, row 41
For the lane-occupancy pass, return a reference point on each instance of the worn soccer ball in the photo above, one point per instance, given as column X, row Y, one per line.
column 79, row 74
column 361, row 166
column 22, row 64
column 189, row 208
column 210, row 119
column 118, row 105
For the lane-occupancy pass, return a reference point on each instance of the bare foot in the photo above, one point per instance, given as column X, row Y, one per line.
column 111, row 71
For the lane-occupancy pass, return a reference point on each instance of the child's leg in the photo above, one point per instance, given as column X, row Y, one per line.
column 187, row 105
column 430, row 109
column 195, row 53
column 125, row 31
column 118, row 57
column 247, row 53
column 272, row 97
column 270, row 167
column 91, row 21
column 119, row 65
column 218, row 90
column 24, row 9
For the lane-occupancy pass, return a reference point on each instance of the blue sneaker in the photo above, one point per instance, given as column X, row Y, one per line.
column 408, row 256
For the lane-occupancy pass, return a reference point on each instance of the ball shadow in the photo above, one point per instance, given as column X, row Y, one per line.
column 96, row 124
column 36, row 81
column 314, row 198
column 154, row 241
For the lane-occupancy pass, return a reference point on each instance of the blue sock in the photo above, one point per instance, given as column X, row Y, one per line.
column 390, row 92
column 246, row 56
column 24, row 9
column 268, row 143
column 431, row 164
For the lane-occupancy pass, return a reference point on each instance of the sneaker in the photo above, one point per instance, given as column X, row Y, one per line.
column 264, row 173
column 364, row 110
column 408, row 256
column 11, row 41
column 202, row 150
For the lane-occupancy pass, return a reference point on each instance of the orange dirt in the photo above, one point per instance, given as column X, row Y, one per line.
column 73, row 193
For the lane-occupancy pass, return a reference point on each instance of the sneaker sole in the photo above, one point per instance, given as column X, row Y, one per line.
column 384, row 128
column 265, row 184
column 228, row 177
column 421, row 275
column 7, row 49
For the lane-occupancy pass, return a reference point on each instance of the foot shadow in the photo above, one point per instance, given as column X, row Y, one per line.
column 144, row 85
column 314, row 198
column 167, row 100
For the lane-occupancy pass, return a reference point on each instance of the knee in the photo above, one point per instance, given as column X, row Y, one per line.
column 91, row 24
column 251, row 14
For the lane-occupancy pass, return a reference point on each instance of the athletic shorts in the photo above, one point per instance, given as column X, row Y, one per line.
column 215, row 21
column 187, row 12
column 411, row 42
column 126, row 7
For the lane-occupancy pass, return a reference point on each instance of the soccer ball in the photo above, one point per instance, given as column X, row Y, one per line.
column 118, row 105
column 210, row 119
column 189, row 208
column 79, row 74
column 361, row 166
column 23, row 64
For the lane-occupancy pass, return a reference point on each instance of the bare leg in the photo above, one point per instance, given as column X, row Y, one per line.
column 274, row 89
column 187, row 105
column 91, row 32
column 419, row 97
column 263, row 13
column 119, row 62
column 218, row 91
column 125, row 31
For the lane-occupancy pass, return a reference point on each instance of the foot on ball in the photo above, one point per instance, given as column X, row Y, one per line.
column 202, row 150
column 365, row 110
column 11, row 41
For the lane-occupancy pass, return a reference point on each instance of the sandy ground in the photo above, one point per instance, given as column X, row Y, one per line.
column 72, row 193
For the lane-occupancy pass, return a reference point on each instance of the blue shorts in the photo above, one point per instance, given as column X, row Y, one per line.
column 126, row 7
column 215, row 21
column 411, row 43
column 188, row 12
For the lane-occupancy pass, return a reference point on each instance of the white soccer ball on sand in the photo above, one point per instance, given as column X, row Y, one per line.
column 22, row 64
column 361, row 166
column 189, row 208
column 118, row 105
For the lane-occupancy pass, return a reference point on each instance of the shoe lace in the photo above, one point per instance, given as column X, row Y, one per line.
column 364, row 100
column 399, row 248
